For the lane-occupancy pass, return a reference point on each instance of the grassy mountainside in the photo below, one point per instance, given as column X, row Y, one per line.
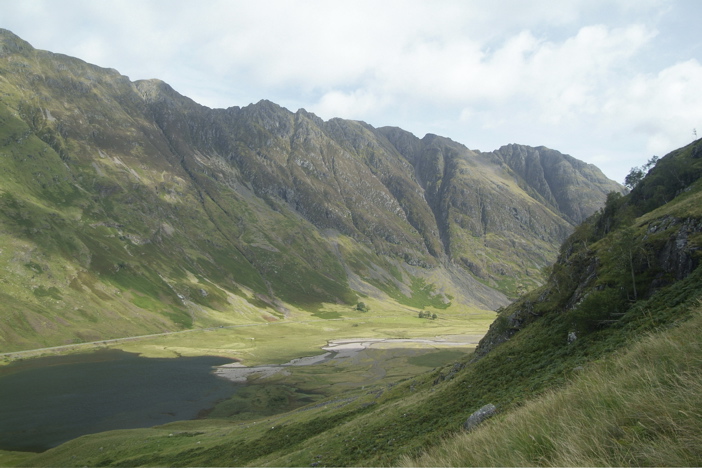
column 127, row 208
column 641, row 407
column 606, row 351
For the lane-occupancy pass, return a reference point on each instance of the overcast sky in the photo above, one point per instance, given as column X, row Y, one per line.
column 609, row 82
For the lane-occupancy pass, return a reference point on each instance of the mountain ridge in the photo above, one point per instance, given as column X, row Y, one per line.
column 262, row 207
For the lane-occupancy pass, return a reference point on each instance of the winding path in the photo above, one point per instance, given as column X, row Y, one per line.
column 87, row 344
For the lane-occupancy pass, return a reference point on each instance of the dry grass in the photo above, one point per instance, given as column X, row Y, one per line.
column 643, row 407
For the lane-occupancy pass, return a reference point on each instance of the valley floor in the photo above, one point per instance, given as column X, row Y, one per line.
column 287, row 376
column 344, row 349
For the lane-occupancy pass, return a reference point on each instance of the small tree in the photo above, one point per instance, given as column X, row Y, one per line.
column 636, row 175
column 361, row 306
column 628, row 249
column 421, row 314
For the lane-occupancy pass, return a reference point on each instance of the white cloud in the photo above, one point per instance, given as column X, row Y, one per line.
column 663, row 108
column 604, row 80
column 355, row 104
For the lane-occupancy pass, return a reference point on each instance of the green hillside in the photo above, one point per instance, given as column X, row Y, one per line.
column 639, row 407
column 600, row 366
column 260, row 234
column 128, row 209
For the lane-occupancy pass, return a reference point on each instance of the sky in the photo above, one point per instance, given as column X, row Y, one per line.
column 609, row 82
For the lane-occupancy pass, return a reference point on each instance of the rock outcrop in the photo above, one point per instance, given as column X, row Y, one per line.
column 475, row 419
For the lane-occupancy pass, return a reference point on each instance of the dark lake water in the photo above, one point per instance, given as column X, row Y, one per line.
column 47, row 401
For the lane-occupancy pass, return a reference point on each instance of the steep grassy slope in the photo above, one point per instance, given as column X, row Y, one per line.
column 553, row 346
column 639, row 408
column 126, row 208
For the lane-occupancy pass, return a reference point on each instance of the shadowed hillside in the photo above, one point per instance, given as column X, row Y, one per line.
column 127, row 208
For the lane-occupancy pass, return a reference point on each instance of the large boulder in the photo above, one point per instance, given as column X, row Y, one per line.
column 479, row 416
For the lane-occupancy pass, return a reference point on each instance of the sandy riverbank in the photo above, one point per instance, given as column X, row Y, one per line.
column 342, row 349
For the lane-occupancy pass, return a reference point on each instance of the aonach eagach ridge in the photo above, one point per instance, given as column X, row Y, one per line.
column 129, row 209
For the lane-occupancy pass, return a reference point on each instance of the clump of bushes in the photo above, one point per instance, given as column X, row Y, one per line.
column 361, row 306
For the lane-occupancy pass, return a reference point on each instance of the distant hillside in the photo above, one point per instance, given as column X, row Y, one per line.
column 127, row 208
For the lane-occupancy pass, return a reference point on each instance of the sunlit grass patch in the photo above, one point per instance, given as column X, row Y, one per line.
column 260, row 343
column 10, row 459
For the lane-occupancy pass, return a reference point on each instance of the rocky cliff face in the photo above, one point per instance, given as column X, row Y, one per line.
column 129, row 197
column 567, row 185
column 635, row 247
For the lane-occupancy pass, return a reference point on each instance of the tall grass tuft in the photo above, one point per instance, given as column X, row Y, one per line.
column 640, row 407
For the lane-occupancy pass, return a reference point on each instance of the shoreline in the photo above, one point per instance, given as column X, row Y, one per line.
column 339, row 349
